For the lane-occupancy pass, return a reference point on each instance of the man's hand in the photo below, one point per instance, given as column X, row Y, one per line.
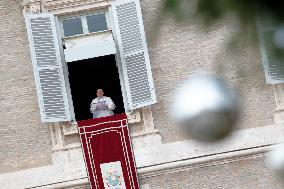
column 100, row 106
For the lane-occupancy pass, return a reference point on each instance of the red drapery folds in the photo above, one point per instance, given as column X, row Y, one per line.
column 108, row 153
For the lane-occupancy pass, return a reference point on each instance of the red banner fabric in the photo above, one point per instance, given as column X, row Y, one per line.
column 108, row 153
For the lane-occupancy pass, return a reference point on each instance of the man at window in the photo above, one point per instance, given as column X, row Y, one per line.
column 102, row 106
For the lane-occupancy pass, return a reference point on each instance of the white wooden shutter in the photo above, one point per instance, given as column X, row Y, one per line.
column 272, row 58
column 130, row 36
column 48, row 73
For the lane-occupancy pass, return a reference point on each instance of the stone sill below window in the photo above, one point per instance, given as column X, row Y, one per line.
column 71, row 127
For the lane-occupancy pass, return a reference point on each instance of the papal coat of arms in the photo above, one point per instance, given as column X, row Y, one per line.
column 112, row 175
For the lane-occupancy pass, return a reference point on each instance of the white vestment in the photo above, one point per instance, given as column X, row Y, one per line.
column 102, row 107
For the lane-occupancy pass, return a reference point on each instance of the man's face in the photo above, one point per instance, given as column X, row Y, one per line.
column 100, row 93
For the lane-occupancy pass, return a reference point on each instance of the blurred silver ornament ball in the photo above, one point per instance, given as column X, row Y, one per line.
column 206, row 108
column 275, row 160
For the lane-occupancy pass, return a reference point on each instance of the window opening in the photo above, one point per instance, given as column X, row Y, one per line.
column 86, row 76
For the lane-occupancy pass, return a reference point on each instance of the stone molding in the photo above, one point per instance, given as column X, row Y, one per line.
column 61, row 7
column 190, row 149
column 134, row 117
column 55, row 177
column 213, row 160
column 279, row 99
column 73, row 6
column 70, row 128
column 57, row 135
column 148, row 122
column 32, row 6
column 158, row 159
column 149, row 136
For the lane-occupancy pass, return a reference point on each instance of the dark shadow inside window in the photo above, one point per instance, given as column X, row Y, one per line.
column 86, row 76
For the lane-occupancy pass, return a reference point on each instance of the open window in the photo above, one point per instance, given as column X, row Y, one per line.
column 89, row 52
column 86, row 76
column 100, row 50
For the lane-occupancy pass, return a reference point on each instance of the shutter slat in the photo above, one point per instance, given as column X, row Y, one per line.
column 134, row 53
column 273, row 59
column 47, row 67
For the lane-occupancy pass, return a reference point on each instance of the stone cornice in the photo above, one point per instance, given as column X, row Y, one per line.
column 69, row 6
column 62, row 6
column 67, row 3
column 151, row 161
column 201, row 162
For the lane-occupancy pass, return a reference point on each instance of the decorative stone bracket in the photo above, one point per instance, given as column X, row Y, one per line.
column 32, row 6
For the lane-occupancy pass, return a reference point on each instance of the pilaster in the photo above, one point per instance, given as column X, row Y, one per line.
column 279, row 98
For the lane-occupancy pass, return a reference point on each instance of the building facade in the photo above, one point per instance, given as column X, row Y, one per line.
column 41, row 150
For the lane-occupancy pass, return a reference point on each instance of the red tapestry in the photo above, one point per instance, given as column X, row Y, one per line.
column 108, row 153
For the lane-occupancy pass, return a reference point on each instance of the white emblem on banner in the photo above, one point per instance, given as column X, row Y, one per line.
column 112, row 175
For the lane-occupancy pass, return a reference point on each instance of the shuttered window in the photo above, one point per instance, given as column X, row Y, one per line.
column 134, row 56
column 47, row 65
column 272, row 56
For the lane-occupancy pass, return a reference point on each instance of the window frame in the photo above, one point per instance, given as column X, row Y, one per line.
column 110, row 25
column 133, row 62
column 83, row 17
column 82, row 25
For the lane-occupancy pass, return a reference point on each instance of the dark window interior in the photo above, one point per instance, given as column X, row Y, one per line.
column 86, row 76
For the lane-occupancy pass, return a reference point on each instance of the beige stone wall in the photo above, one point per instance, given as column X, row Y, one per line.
column 180, row 50
column 248, row 172
column 24, row 141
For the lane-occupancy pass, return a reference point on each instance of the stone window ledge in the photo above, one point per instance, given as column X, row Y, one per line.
column 71, row 128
